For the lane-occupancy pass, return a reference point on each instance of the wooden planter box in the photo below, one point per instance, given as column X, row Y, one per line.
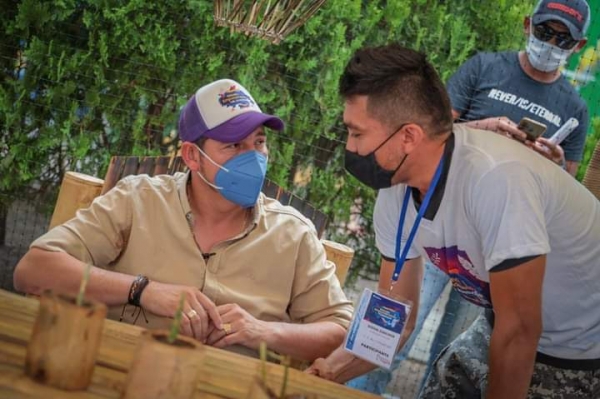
column 64, row 344
column 164, row 370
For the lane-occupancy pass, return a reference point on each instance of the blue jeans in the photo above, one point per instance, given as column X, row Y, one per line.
column 376, row 381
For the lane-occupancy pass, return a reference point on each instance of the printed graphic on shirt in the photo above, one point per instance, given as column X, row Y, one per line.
column 457, row 265
column 493, row 84
column 525, row 104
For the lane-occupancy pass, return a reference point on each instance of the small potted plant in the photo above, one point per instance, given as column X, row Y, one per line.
column 260, row 390
column 165, row 365
column 65, row 339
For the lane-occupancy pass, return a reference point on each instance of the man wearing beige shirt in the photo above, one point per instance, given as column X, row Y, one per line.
column 250, row 269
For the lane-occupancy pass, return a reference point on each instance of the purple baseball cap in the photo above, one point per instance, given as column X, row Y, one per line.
column 224, row 111
column 575, row 14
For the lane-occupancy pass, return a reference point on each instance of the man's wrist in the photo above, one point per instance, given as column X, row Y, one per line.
column 136, row 289
column 272, row 333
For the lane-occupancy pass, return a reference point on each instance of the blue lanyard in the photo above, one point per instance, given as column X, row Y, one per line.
column 401, row 258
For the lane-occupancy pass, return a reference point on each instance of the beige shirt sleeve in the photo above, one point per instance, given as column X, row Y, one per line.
column 96, row 234
column 316, row 294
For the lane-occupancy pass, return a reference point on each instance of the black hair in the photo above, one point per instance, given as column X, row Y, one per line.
column 200, row 142
column 401, row 86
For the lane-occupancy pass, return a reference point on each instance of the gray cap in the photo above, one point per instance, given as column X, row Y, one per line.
column 575, row 14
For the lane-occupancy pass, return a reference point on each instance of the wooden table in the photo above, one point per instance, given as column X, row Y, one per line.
column 224, row 374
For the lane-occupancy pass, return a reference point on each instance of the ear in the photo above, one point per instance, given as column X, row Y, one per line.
column 580, row 45
column 190, row 155
column 412, row 135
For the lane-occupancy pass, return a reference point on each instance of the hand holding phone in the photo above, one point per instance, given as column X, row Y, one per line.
column 533, row 129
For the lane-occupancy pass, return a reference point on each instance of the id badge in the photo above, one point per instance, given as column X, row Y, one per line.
column 377, row 327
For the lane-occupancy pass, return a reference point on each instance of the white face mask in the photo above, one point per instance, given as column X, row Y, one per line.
column 544, row 56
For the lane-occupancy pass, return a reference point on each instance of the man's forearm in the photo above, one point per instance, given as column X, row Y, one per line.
column 512, row 357
column 343, row 366
column 39, row 270
column 305, row 341
column 572, row 167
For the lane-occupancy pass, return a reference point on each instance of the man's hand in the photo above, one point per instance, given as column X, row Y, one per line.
column 340, row 366
column 239, row 328
column 548, row 149
column 163, row 300
column 321, row 368
column 501, row 125
column 504, row 126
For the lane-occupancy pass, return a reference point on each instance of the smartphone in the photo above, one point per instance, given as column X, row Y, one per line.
column 533, row 129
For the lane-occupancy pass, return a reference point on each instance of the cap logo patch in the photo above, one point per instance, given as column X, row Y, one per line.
column 235, row 98
column 566, row 9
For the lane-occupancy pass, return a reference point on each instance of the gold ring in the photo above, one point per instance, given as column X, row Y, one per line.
column 227, row 328
column 192, row 313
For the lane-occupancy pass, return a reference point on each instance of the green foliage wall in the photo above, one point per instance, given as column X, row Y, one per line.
column 86, row 79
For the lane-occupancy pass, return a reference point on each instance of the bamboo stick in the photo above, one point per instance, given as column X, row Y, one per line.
column 591, row 180
column 302, row 19
column 280, row 17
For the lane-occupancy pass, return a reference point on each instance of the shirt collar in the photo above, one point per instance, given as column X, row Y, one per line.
column 438, row 193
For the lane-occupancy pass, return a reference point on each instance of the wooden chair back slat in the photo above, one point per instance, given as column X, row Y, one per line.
column 177, row 166
column 591, row 180
column 113, row 174
column 320, row 221
column 270, row 189
column 300, row 205
column 122, row 166
column 147, row 165
column 132, row 165
column 161, row 166
column 284, row 197
column 309, row 212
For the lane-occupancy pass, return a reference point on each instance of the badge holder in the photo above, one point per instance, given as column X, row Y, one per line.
column 377, row 327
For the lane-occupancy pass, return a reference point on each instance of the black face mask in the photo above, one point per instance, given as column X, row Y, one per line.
column 366, row 169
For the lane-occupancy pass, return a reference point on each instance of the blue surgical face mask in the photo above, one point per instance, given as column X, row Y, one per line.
column 240, row 179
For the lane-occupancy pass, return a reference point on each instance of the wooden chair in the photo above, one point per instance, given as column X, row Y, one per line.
column 78, row 191
column 591, row 180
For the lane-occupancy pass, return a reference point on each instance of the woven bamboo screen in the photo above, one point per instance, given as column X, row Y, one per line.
column 271, row 20
column 592, row 175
